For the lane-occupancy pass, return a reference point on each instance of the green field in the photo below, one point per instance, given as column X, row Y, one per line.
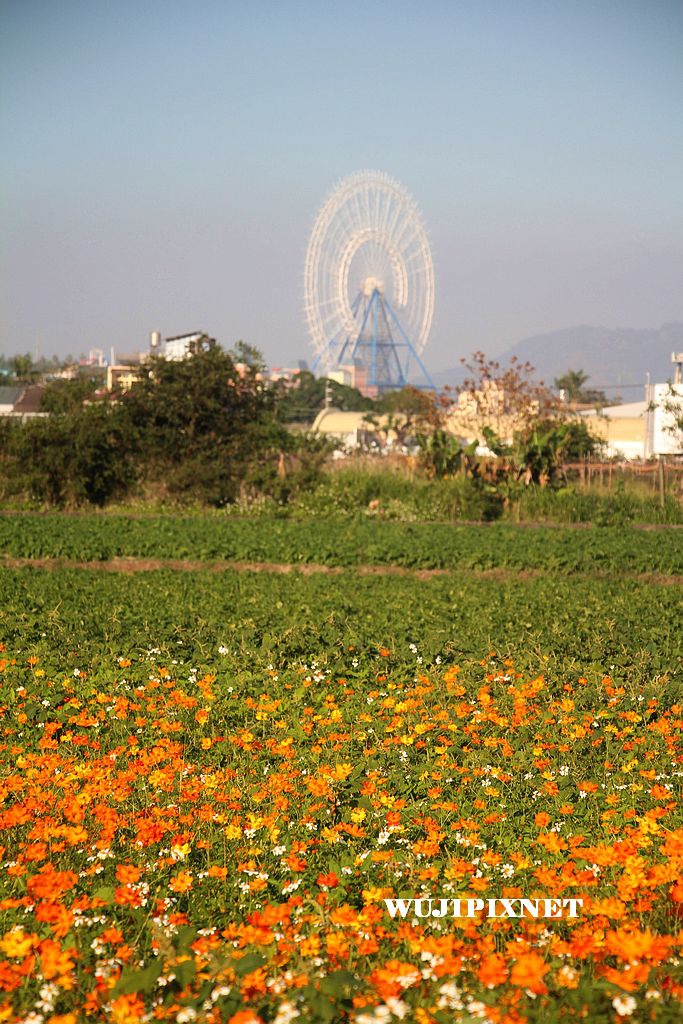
column 570, row 623
column 338, row 542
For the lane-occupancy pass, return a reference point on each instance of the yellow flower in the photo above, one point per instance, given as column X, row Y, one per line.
column 180, row 852
column 17, row 943
column 375, row 894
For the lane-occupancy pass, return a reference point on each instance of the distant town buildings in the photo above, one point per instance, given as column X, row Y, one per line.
column 635, row 430
column 122, row 377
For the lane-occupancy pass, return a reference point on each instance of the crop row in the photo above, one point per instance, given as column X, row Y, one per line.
column 340, row 543
column 625, row 626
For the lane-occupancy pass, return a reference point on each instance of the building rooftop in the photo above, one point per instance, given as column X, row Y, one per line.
column 616, row 412
column 10, row 394
column 31, row 399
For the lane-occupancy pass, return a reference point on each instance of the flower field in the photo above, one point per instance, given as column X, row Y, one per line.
column 211, row 783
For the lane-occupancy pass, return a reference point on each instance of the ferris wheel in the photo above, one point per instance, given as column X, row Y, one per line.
column 369, row 282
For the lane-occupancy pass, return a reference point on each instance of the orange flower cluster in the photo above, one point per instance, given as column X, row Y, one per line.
column 181, row 849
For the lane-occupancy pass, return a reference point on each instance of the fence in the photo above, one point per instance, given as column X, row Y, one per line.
column 659, row 477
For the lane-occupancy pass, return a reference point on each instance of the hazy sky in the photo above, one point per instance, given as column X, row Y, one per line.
column 162, row 162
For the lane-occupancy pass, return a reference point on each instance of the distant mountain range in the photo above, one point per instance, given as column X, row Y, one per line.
column 612, row 358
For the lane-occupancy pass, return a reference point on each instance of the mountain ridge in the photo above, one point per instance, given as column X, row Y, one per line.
column 614, row 358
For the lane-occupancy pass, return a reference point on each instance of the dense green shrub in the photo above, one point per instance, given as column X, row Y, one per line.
column 83, row 456
column 198, row 429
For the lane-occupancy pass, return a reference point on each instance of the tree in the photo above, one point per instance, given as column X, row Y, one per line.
column 539, row 452
column 202, row 427
column 405, row 414
column 523, row 425
column 23, row 369
column 505, row 398
column 69, row 458
column 201, row 422
column 63, row 396
column 300, row 400
column 572, row 384
column 243, row 352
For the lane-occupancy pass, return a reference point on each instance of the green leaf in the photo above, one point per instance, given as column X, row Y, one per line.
column 185, row 937
column 337, row 983
column 248, row 963
column 185, row 972
column 104, row 893
column 138, row 981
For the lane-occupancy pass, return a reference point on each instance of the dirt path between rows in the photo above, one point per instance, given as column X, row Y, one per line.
column 134, row 565
column 524, row 524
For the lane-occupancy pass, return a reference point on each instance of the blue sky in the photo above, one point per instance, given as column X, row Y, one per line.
column 163, row 162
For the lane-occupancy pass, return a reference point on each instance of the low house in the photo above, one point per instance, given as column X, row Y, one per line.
column 22, row 401
column 621, row 428
column 353, row 430
column 9, row 396
column 640, row 430
column 122, row 377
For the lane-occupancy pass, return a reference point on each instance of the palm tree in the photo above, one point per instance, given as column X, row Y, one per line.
column 572, row 384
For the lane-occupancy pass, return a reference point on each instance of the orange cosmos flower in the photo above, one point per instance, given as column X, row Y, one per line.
column 126, row 895
column 552, row 842
column 50, row 884
column 127, row 874
column 56, row 962
column 337, row 946
column 676, row 892
column 393, row 978
column 127, row 1010
column 610, row 906
column 493, row 970
column 181, row 882
column 568, row 977
column 296, row 863
column 630, row 978
column 57, row 916
column 528, row 973
column 318, row 787
column 344, row 915
column 329, row 880
column 17, row 943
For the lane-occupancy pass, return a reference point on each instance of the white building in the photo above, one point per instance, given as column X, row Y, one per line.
column 179, row 347
column 665, row 407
